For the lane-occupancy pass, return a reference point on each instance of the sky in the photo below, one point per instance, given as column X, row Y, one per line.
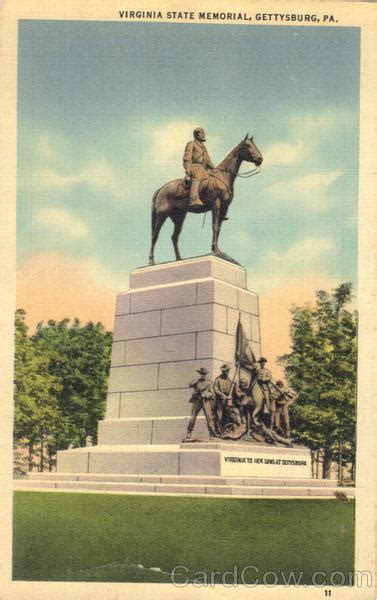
column 104, row 113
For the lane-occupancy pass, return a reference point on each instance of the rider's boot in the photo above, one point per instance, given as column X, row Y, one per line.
column 195, row 201
column 194, row 198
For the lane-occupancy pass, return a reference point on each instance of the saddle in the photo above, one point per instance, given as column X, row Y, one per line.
column 186, row 181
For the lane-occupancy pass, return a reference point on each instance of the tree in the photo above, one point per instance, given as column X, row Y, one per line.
column 60, row 385
column 36, row 392
column 80, row 359
column 322, row 368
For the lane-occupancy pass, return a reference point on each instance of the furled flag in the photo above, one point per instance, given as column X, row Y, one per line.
column 244, row 355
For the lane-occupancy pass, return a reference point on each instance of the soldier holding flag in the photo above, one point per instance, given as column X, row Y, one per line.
column 244, row 356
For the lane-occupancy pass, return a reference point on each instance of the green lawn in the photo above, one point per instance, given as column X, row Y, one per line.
column 99, row 537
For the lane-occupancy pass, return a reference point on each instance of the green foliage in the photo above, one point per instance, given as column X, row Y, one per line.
column 80, row 359
column 60, row 383
column 19, row 463
column 322, row 368
column 36, row 388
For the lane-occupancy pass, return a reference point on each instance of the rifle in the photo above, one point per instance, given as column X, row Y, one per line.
column 230, row 402
column 284, row 394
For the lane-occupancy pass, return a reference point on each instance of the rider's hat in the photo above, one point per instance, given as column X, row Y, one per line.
column 202, row 371
column 280, row 383
column 225, row 368
column 262, row 360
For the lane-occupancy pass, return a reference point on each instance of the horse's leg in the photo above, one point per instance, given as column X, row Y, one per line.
column 248, row 419
column 177, row 219
column 266, row 431
column 216, row 226
column 272, row 410
column 224, row 209
column 159, row 220
column 257, row 409
column 286, row 420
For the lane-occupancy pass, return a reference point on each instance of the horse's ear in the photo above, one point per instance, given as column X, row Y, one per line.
column 246, row 136
column 251, row 137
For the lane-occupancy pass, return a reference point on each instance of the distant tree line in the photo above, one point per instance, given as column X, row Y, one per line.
column 322, row 368
column 60, row 387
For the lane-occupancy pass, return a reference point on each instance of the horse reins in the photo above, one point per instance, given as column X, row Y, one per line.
column 244, row 175
column 250, row 173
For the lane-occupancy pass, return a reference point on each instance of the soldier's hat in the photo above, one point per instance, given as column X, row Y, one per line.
column 225, row 368
column 262, row 360
column 280, row 383
column 202, row 371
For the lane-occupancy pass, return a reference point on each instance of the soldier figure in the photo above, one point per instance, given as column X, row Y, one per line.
column 285, row 397
column 264, row 379
column 202, row 398
column 223, row 397
column 196, row 162
column 241, row 398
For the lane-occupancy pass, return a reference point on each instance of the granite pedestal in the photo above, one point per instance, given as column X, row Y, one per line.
column 174, row 319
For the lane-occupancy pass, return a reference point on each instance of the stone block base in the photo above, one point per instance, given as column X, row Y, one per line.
column 218, row 458
column 163, row 430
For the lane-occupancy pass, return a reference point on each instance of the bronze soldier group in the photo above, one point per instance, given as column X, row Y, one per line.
column 234, row 410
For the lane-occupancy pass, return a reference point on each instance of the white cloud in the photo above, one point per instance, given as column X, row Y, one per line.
column 284, row 154
column 97, row 174
column 309, row 191
column 307, row 259
column 63, row 221
column 170, row 139
column 308, row 132
column 302, row 255
column 312, row 181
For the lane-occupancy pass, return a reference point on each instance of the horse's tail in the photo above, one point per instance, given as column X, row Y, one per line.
column 153, row 220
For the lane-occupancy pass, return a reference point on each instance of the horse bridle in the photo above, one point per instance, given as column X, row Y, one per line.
column 250, row 173
column 244, row 175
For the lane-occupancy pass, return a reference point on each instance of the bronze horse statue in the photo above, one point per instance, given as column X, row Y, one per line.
column 216, row 193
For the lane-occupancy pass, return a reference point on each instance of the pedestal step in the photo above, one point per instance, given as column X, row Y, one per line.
column 165, row 484
column 183, row 479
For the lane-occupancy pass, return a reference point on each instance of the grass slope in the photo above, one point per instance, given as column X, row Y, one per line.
column 99, row 537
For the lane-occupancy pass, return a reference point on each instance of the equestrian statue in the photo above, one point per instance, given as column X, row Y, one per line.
column 205, row 188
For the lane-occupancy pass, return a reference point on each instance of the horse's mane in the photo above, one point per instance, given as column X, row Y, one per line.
column 225, row 162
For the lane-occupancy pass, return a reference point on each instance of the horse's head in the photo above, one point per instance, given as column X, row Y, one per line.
column 248, row 151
